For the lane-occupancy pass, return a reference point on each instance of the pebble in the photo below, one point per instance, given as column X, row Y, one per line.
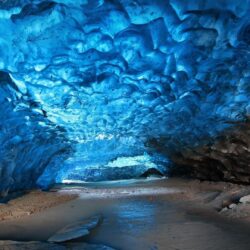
column 224, row 209
column 233, row 205
column 245, row 199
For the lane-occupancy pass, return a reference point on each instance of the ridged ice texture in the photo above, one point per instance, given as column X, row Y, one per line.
column 28, row 142
column 120, row 72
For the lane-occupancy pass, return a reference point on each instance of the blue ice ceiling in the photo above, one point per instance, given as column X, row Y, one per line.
column 84, row 83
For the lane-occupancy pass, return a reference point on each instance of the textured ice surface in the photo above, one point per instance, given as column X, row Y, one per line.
column 29, row 143
column 117, row 169
column 108, row 76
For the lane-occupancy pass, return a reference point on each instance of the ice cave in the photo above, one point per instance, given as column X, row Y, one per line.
column 100, row 91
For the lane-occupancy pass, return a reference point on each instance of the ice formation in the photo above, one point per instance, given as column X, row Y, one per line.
column 94, row 80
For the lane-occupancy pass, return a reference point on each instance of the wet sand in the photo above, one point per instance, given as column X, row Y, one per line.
column 31, row 203
column 165, row 215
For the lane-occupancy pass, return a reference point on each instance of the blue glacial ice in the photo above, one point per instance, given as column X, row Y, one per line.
column 84, row 82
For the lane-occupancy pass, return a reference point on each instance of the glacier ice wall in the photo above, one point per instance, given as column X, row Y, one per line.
column 99, row 79
column 28, row 142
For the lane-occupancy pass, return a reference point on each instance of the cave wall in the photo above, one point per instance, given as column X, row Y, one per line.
column 28, row 142
column 91, row 81
column 225, row 157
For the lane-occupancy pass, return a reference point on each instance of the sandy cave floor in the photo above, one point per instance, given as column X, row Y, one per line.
column 161, row 214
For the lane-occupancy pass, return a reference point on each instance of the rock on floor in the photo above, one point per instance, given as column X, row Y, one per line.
column 76, row 230
column 245, row 199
